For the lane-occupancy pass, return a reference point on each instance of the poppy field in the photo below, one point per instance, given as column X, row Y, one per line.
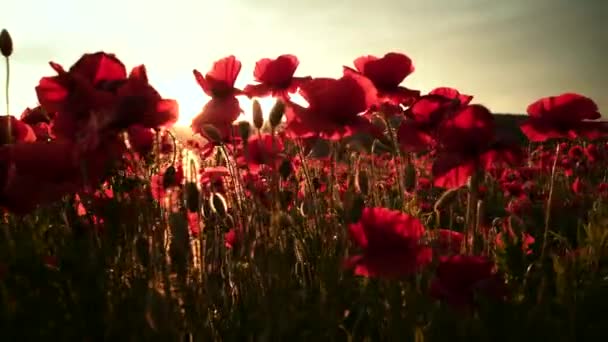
column 373, row 212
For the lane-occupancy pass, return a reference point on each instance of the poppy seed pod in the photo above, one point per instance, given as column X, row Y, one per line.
column 258, row 115
column 6, row 43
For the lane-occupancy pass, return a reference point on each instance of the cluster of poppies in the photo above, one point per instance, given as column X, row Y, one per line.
column 91, row 114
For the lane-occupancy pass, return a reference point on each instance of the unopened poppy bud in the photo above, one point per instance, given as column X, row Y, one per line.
column 169, row 177
column 276, row 113
column 6, row 43
column 258, row 115
column 410, row 177
column 212, row 133
column 244, row 130
column 192, row 197
column 285, row 169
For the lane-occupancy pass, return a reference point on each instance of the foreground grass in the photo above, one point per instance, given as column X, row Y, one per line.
column 143, row 273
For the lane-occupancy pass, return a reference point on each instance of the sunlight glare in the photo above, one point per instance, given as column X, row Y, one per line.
column 191, row 100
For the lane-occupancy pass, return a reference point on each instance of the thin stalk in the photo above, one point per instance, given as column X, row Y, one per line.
column 275, row 174
column 471, row 210
column 7, row 230
column 372, row 170
column 308, row 181
column 550, row 202
column 548, row 210
column 397, row 161
column 6, row 96
column 235, row 176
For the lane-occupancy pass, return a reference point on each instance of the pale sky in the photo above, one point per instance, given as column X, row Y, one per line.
column 507, row 53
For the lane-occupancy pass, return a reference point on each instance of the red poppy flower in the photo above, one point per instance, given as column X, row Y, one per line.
column 141, row 139
column 212, row 179
column 448, row 242
column 42, row 131
column 140, row 104
column 233, row 238
column 81, row 92
column 390, row 243
column 42, row 172
column 334, row 108
column 452, row 94
column 275, row 77
column 166, row 179
column 417, row 132
column 211, row 174
column 157, row 188
column 526, row 240
column 194, row 223
column 387, row 73
column 36, row 115
column 219, row 82
column 468, row 145
column 223, row 108
column 96, row 95
column 221, row 114
column 19, row 131
column 565, row 116
column 458, row 278
column 261, row 150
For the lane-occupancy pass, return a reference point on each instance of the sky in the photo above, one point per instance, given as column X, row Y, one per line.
column 505, row 53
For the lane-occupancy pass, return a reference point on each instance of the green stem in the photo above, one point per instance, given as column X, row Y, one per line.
column 549, row 202
column 542, row 262
column 6, row 94
column 471, row 210
column 398, row 167
column 311, row 190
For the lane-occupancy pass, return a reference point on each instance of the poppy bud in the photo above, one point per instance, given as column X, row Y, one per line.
column 410, row 177
column 212, row 133
column 258, row 115
column 192, row 197
column 276, row 113
column 353, row 207
column 285, row 169
column 169, row 177
column 244, row 130
column 6, row 43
